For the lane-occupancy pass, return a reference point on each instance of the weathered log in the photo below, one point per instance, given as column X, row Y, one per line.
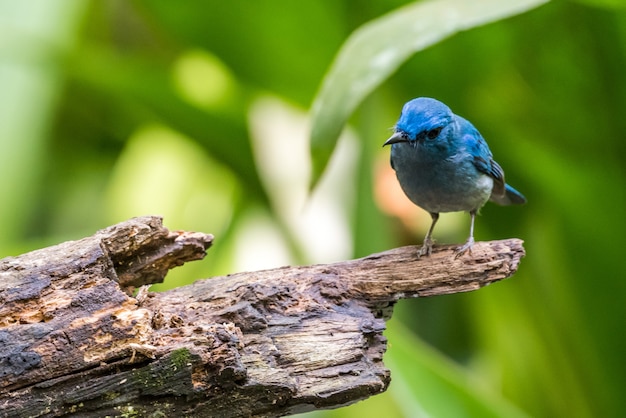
column 265, row 343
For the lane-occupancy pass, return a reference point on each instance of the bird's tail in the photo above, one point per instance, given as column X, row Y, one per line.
column 510, row 197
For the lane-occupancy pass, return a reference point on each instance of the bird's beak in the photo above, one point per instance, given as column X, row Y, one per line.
column 395, row 138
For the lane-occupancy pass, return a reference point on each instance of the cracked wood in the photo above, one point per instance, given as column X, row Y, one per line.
column 264, row 343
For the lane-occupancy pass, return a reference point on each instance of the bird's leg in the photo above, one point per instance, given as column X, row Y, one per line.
column 427, row 247
column 470, row 241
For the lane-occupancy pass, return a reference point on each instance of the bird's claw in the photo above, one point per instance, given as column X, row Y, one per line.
column 467, row 247
column 427, row 248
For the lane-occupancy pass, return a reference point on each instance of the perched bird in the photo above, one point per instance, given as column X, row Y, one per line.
column 443, row 164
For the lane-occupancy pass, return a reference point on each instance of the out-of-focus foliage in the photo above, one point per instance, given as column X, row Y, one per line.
column 199, row 111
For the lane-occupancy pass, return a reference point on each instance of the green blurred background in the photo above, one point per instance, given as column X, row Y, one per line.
column 199, row 111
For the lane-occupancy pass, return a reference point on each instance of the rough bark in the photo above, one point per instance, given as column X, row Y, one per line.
column 266, row 343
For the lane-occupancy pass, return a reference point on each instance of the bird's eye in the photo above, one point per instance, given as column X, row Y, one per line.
column 433, row 133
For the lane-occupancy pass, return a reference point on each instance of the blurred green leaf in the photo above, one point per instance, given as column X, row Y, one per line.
column 425, row 383
column 276, row 45
column 148, row 89
column 30, row 87
column 378, row 48
column 607, row 4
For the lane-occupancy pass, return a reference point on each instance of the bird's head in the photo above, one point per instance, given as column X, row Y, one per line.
column 422, row 120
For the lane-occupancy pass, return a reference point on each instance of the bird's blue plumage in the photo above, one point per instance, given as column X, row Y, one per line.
column 443, row 164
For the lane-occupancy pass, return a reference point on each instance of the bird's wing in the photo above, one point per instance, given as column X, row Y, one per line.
column 492, row 169
column 484, row 162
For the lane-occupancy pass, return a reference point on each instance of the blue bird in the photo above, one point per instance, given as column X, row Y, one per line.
column 443, row 164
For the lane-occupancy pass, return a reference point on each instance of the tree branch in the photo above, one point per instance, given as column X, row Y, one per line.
column 264, row 343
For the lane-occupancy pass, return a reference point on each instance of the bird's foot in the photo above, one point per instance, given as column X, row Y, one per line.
column 467, row 247
column 427, row 248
